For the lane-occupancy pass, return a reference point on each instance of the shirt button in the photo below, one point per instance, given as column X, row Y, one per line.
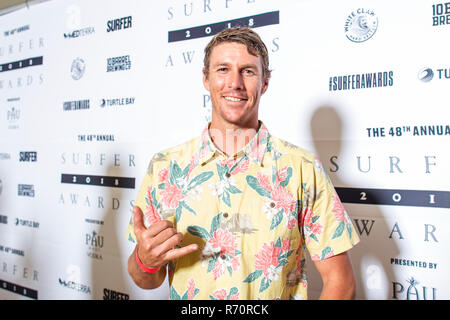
column 272, row 204
column 223, row 257
column 227, row 174
column 225, row 215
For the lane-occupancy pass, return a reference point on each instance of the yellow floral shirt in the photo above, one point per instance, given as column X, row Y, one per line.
column 253, row 216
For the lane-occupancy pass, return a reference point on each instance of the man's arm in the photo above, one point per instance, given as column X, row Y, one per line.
column 337, row 276
column 155, row 248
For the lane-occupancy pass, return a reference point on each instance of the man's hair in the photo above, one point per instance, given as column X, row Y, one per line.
column 245, row 36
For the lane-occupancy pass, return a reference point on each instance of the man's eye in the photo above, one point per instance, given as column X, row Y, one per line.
column 223, row 69
column 248, row 72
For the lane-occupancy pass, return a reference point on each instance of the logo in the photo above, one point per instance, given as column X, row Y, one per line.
column 79, row 287
column 79, row 33
column 109, row 294
column 441, row 14
column 28, row 156
column 76, row 105
column 13, row 114
column 361, row 81
column 119, row 24
column 3, row 219
column 26, row 190
column 26, row 223
column 18, row 289
column 412, row 291
column 94, row 242
column 118, row 63
column 77, row 69
column 117, row 102
column 20, row 64
column 361, row 25
column 16, row 30
column 425, row 75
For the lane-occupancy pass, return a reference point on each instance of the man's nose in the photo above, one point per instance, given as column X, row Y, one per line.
column 235, row 80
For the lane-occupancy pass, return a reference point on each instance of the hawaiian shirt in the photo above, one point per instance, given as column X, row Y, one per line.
column 253, row 216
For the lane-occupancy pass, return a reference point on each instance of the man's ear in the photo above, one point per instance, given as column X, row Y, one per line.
column 265, row 86
column 205, row 79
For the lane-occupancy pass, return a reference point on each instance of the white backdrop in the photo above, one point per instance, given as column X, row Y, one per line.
column 362, row 84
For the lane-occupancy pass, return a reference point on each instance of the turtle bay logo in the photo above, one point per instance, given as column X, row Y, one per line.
column 361, row 25
column 428, row 74
column 116, row 102
column 77, row 68
column 412, row 290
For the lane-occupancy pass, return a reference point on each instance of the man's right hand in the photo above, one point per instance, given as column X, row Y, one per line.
column 156, row 244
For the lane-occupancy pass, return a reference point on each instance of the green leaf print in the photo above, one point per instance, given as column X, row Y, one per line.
column 253, row 182
column 325, row 253
column 174, row 294
column 199, row 232
column 253, row 276
column 285, row 182
column 265, row 283
column 199, row 179
column 215, row 223
column 276, row 220
column 339, row 230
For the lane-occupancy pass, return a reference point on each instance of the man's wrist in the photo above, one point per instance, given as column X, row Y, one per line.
column 144, row 268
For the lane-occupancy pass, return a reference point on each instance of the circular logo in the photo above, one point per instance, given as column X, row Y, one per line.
column 77, row 68
column 425, row 75
column 361, row 25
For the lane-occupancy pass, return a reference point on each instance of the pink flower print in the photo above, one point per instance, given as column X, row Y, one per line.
column 264, row 181
column 267, row 257
column 151, row 213
column 223, row 240
column 316, row 228
column 163, row 175
column 242, row 166
column 283, row 199
column 171, row 195
column 220, row 294
column 339, row 210
column 235, row 263
column 219, row 269
column 191, row 288
column 281, row 175
column 286, row 245
column 292, row 222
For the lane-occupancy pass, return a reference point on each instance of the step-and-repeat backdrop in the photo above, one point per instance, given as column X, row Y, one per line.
column 90, row 90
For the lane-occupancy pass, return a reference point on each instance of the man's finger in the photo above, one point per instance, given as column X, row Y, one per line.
column 179, row 252
column 138, row 220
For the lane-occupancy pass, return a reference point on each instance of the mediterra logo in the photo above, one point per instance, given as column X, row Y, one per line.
column 79, row 33
column 361, row 81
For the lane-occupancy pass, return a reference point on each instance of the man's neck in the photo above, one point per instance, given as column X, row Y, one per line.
column 231, row 138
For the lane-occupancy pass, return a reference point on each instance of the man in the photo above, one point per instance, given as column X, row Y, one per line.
column 231, row 213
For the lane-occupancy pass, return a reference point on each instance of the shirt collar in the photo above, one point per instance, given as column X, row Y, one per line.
column 254, row 150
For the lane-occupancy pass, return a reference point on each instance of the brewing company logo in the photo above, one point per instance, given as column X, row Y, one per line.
column 118, row 63
column 79, row 33
column 76, row 105
column 119, row 24
column 116, row 102
column 412, row 291
column 77, row 69
column 361, row 25
column 27, row 156
column 26, row 190
column 441, row 14
column 426, row 75
column 361, row 81
column 94, row 242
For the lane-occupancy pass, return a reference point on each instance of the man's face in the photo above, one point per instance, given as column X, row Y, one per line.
column 235, row 83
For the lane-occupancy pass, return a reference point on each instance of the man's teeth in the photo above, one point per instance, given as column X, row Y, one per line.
column 232, row 99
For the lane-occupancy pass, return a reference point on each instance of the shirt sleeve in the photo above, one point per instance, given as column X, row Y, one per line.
column 148, row 198
column 327, row 228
